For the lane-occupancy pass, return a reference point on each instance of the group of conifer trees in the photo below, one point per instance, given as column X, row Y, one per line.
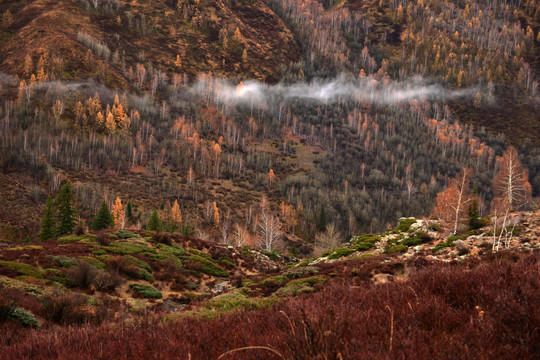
column 58, row 214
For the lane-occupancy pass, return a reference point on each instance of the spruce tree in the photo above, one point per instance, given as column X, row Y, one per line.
column 321, row 223
column 65, row 212
column 47, row 222
column 129, row 209
column 103, row 218
column 155, row 222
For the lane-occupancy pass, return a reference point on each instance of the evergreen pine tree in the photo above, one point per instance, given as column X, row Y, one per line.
column 321, row 223
column 66, row 214
column 155, row 222
column 474, row 216
column 103, row 218
column 47, row 222
column 129, row 210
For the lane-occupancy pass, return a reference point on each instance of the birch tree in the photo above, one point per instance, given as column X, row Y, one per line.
column 512, row 191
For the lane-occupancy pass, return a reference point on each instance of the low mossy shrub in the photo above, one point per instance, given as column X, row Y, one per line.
column 26, row 248
column 301, row 271
column 393, row 249
column 246, row 251
column 453, row 238
column 146, row 291
column 200, row 253
column 340, row 252
column 272, row 255
column 274, row 280
column 124, row 234
column 23, row 269
column 136, row 268
column 299, row 286
column 405, row 224
column 365, row 239
column 126, row 248
column 206, row 265
column 416, row 239
column 57, row 276
column 237, row 300
column 442, row 245
column 75, row 238
column 306, row 262
column 24, row 317
column 226, row 261
column 93, row 261
column 172, row 249
column 26, row 288
column 63, row 261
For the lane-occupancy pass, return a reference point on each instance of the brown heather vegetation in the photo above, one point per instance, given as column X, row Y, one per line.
column 484, row 309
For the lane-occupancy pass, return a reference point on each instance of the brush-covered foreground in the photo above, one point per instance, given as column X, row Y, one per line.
column 137, row 295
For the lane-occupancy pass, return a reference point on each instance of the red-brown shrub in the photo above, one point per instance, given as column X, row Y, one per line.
column 488, row 311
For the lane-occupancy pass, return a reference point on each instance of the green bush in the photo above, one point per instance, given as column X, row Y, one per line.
column 274, row 280
column 340, row 252
column 23, row 269
column 207, row 266
column 144, row 270
column 301, row 271
column 272, row 255
column 416, row 239
column 93, row 261
column 24, row 317
column 396, row 249
column 172, row 249
column 146, row 291
column 126, row 248
column 368, row 239
column 124, row 234
column 448, row 243
column 201, row 254
column 226, row 261
column 57, row 276
column 235, row 300
column 28, row 289
column 75, row 238
column 247, row 252
column 26, row 248
column 405, row 224
column 300, row 286
column 63, row 261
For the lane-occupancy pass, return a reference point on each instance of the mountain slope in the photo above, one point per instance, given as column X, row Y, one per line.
column 207, row 36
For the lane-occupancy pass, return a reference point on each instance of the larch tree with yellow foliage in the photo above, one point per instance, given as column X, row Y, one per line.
column 216, row 214
column 176, row 215
column 119, row 214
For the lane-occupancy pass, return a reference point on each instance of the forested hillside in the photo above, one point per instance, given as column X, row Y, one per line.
column 366, row 111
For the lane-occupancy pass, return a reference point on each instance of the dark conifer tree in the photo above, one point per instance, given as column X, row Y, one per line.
column 103, row 218
column 48, row 223
column 65, row 212
column 155, row 222
column 129, row 210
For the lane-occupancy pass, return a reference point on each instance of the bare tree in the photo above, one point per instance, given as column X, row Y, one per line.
column 512, row 191
column 330, row 238
column 269, row 229
column 240, row 235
